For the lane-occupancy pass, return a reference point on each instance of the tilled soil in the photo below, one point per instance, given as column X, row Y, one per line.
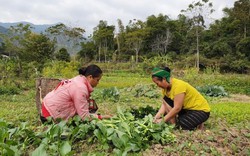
column 218, row 141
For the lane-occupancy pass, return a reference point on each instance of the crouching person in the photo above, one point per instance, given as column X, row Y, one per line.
column 72, row 97
column 182, row 104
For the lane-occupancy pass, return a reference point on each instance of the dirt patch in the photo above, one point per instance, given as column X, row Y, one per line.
column 222, row 141
column 236, row 98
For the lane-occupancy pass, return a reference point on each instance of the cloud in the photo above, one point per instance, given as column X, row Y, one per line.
column 88, row 13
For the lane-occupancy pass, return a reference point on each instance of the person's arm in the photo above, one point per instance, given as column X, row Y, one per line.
column 161, row 111
column 106, row 116
column 81, row 104
column 178, row 103
column 172, row 120
column 165, row 108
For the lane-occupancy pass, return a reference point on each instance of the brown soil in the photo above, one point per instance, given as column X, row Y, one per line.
column 236, row 98
column 222, row 139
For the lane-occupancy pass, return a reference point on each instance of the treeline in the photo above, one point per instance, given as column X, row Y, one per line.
column 184, row 42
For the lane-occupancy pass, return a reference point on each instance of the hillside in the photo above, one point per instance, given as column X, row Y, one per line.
column 3, row 30
column 35, row 28
column 63, row 41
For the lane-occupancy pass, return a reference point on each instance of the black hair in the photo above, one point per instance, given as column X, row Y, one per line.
column 167, row 69
column 92, row 69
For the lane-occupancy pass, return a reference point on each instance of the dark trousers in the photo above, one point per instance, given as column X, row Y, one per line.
column 188, row 119
column 43, row 119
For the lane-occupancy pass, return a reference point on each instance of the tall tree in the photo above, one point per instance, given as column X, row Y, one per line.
column 160, row 35
column 13, row 41
column 103, row 36
column 88, row 51
column 199, row 10
column 241, row 12
column 136, row 32
column 225, row 40
column 14, row 38
column 37, row 48
column 180, row 32
column 62, row 34
column 120, row 39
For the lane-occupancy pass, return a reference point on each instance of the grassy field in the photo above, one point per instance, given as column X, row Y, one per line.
column 227, row 130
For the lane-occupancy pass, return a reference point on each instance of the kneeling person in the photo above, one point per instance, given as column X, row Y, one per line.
column 182, row 104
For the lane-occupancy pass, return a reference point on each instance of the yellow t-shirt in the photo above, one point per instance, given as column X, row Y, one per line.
column 193, row 100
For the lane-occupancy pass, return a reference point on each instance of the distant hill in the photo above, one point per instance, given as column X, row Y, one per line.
column 3, row 30
column 62, row 42
column 35, row 28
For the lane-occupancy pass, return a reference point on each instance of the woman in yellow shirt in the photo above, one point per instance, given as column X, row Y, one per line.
column 182, row 104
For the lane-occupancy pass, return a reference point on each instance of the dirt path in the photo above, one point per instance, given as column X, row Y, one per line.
column 236, row 98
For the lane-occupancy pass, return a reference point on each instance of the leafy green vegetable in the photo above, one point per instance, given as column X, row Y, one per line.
column 141, row 112
column 146, row 90
column 214, row 91
column 111, row 93
column 123, row 133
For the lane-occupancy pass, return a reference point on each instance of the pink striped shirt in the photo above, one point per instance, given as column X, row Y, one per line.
column 69, row 98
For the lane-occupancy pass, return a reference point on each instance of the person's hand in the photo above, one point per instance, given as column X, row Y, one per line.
column 157, row 120
column 107, row 116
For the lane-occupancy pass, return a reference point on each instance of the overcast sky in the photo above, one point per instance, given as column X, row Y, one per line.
column 87, row 13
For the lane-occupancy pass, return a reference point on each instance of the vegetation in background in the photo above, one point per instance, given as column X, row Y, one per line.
column 146, row 90
column 214, row 91
column 223, row 45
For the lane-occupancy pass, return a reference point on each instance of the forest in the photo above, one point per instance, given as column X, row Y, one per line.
column 187, row 41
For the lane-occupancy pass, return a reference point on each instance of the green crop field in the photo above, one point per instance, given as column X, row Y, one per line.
column 227, row 132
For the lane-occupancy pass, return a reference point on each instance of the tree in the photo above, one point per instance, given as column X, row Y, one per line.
column 243, row 47
column 103, row 37
column 241, row 11
column 14, row 38
column 37, row 48
column 63, row 55
column 135, row 35
column 160, row 36
column 2, row 48
column 13, row 41
column 120, row 39
column 88, row 51
column 199, row 10
column 66, row 37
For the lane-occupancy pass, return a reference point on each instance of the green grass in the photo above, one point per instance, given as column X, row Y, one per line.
column 124, row 75
column 232, row 112
column 123, row 80
column 232, row 83
column 19, row 108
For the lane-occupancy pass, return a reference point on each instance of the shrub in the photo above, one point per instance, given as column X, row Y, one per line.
column 146, row 90
column 214, row 91
column 9, row 90
column 111, row 94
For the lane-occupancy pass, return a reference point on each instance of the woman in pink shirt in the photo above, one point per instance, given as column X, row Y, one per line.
column 71, row 97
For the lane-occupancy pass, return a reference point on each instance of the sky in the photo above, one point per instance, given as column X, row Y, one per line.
column 87, row 13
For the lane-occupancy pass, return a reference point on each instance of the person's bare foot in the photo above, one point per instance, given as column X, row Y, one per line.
column 201, row 126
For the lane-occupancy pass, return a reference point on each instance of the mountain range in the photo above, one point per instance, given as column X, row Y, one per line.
column 62, row 41
column 34, row 27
